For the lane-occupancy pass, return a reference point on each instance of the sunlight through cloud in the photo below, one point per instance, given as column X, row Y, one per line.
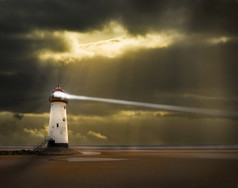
column 112, row 41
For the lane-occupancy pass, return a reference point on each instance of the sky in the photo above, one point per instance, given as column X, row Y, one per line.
column 180, row 53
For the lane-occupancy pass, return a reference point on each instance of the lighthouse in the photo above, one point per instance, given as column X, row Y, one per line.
column 58, row 129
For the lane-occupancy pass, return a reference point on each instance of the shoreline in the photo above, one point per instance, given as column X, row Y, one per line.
column 131, row 147
column 72, row 150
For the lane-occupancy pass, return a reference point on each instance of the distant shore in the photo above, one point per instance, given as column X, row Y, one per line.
column 131, row 147
column 29, row 150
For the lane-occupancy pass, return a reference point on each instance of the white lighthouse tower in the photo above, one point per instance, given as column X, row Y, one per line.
column 58, row 130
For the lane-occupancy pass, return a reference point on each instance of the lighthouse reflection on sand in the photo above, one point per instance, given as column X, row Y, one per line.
column 203, row 111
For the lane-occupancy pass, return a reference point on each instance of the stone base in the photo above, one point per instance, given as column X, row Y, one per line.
column 51, row 143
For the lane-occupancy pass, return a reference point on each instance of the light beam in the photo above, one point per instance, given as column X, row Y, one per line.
column 203, row 111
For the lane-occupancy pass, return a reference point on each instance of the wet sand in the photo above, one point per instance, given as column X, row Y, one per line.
column 123, row 168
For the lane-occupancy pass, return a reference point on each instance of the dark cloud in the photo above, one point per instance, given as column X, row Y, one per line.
column 215, row 16
column 18, row 116
column 71, row 15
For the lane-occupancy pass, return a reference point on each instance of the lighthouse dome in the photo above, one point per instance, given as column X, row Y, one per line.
column 58, row 89
column 59, row 97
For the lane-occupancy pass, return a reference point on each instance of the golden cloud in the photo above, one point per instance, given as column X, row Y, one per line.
column 97, row 135
column 112, row 41
column 38, row 132
column 130, row 114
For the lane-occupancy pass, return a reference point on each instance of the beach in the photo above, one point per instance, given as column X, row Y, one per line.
column 97, row 167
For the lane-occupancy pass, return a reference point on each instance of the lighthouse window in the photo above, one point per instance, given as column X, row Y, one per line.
column 57, row 125
column 64, row 107
column 63, row 119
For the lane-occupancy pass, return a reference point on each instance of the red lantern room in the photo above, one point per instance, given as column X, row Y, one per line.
column 59, row 99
